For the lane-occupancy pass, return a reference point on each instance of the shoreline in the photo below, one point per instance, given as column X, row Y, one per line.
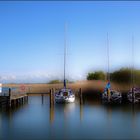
column 94, row 86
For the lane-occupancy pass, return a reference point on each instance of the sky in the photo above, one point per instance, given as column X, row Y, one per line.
column 32, row 38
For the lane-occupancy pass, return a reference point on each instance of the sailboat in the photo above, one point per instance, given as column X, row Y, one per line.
column 133, row 95
column 109, row 95
column 64, row 95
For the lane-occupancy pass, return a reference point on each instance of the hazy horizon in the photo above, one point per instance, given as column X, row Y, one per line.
column 32, row 38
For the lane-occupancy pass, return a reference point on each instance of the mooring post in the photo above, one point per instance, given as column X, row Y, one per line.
column 108, row 94
column 42, row 95
column 133, row 95
column 81, row 96
column 22, row 101
column 14, row 101
column 51, row 97
column 10, row 97
column 27, row 98
column 52, row 114
column 53, row 91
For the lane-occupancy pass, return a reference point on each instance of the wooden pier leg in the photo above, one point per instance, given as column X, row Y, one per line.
column 133, row 96
column 14, row 102
column 27, row 98
column 108, row 94
column 53, row 94
column 42, row 95
column 9, row 102
column 81, row 96
column 51, row 98
column 52, row 114
column 22, row 100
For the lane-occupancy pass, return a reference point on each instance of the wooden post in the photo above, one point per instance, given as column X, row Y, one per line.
column 108, row 94
column 9, row 97
column 42, row 98
column 53, row 90
column 52, row 114
column 22, row 100
column 51, row 98
column 81, row 96
column 14, row 102
column 133, row 95
column 27, row 98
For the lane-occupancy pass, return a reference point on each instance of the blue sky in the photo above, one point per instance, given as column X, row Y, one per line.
column 32, row 38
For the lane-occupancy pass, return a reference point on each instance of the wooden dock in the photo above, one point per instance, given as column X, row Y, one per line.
column 16, row 98
column 13, row 99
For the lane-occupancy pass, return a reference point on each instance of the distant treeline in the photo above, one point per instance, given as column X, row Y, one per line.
column 58, row 81
column 124, row 75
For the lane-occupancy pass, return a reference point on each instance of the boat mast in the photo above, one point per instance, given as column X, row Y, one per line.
column 108, row 73
column 65, row 45
column 132, row 71
column 132, row 67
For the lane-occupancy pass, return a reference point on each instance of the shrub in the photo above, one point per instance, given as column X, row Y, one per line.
column 98, row 75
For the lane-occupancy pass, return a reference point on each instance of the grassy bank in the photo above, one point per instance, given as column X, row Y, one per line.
column 88, row 87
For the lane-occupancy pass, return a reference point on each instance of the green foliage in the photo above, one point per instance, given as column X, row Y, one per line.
column 122, row 76
column 98, row 75
column 126, row 75
column 90, row 76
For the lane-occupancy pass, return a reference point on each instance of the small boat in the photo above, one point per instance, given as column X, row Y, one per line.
column 111, row 96
column 64, row 95
column 133, row 95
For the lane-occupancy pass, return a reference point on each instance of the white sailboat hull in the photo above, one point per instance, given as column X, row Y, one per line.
column 64, row 100
column 115, row 97
column 64, row 96
column 136, row 95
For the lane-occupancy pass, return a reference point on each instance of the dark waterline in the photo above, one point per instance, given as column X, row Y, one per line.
column 35, row 120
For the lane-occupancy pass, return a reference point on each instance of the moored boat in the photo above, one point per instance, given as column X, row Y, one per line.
column 133, row 95
column 64, row 95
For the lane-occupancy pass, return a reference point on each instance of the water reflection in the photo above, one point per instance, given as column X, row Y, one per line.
column 90, row 120
column 81, row 112
column 51, row 114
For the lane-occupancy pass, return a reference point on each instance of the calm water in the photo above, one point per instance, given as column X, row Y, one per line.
column 37, row 121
